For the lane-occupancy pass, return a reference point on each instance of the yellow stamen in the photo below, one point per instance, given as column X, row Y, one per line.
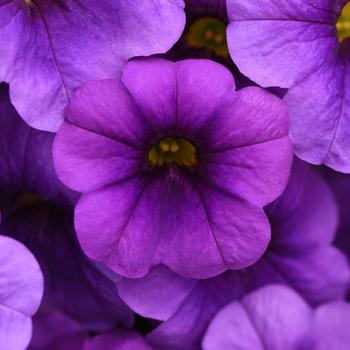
column 174, row 147
column 219, row 38
column 29, row 3
column 209, row 33
column 164, row 146
column 343, row 23
column 170, row 150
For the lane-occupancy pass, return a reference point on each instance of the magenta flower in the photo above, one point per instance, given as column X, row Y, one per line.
column 21, row 290
column 294, row 44
column 276, row 318
column 50, row 47
column 175, row 167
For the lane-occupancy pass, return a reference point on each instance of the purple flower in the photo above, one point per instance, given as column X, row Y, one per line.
column 37, row 210
column 50, row 47
column 276, row 318
column 175, row 167
column 21, row 290
column 300, row 255
column 294, row 44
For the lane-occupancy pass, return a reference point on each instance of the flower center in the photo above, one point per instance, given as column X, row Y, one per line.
column 172, row 150
column 27, row 198
column 343, row 23
column 210, row 33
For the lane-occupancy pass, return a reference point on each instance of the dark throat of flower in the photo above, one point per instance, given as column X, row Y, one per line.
column 208, row 33
column 173, row 150
column 343, row 23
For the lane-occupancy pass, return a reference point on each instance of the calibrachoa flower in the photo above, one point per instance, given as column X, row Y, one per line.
column 37, row 210
column 294, row 44
column 277, row 318
column 175, row 167
column 49, row 47
column 300, row 255
column 21, row 290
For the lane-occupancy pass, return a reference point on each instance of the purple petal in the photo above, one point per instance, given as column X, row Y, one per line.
column 321, row 103
column 330, row 327
column 306, row 214
column 306, row 38
column 44, row 62
column 326, row 278
column 157, row 295
column 273, row 318
column 181, row 96
column 21, row 290
column 260, row 156
column 186, row 327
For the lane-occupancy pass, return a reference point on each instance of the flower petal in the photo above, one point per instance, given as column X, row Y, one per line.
column 21, row 290
column 319, row 111
column 306, row 38
column 85, row 160
column 272, row 317
column 157, row 295
column 330, row 327
column 178, row 97
column 44, row 62
column 259, row 156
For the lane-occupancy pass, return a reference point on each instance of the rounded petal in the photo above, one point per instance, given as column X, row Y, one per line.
column 106, row 107
column 260, row 156
column 306, row 214
column 319, row 275
column 100, row 39
column 273, row 317
column 113, row 225
column 21, row 290
column 187, row 325
column 306, row 38
column 85, row 160
column 330, row 327
column 319, row 111
column 157, row 295
column 178, row 96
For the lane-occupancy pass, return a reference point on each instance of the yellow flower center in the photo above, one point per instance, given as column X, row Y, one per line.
column 209, row 33
column 171, row 150
column 343, row 23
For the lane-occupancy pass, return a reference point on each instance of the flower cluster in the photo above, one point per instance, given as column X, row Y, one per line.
column 174, row 174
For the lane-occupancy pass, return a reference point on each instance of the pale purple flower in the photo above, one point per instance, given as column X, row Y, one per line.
column 175, row 167
column 294, row 44
column 21, row 290
column 50, row 47
column 277, row 318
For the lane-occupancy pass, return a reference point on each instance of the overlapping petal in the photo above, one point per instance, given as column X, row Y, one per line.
column 45, row 62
